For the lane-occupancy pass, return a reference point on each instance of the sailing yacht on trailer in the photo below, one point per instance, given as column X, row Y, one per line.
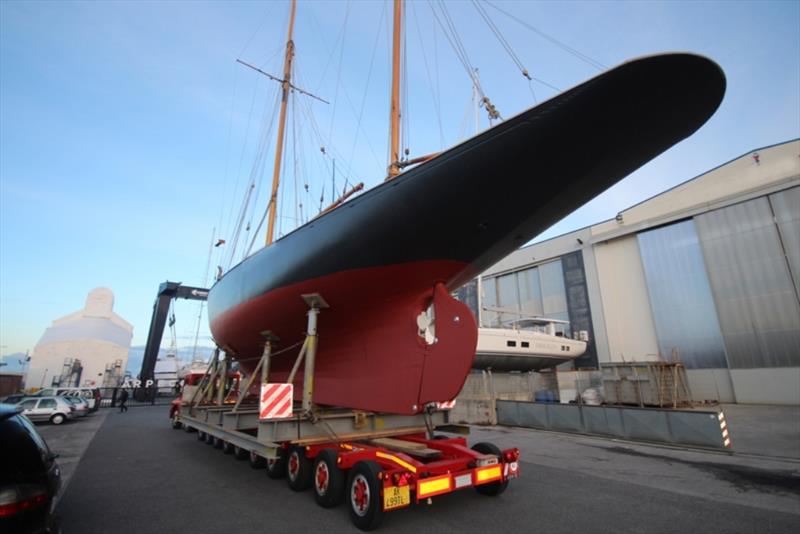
column 392, row 338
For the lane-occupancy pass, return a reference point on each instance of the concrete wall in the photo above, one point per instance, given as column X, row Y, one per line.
column 779, row 385
column 626, row 305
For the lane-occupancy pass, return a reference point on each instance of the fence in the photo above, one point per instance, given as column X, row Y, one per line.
column 707, row 429
column 150, row 396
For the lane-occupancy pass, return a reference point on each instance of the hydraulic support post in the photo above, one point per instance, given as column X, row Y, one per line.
column 315, row 303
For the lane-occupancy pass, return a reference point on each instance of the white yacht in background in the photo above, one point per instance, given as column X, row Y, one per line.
column 527, row 344
column 198, row 365
column 166, row 370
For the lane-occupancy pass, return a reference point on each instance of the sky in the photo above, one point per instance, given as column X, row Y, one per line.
column 129, row 134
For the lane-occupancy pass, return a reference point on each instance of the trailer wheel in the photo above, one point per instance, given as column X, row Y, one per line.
column 298, row 469
column 276, row 467
column 493, row 488
column 219, row 443
column 240, row 453
column 187, row 428
column 328, row 479
column 256, row 461
column 227, row 448
column 209, row 439
column 364, row 494
column 201, row 436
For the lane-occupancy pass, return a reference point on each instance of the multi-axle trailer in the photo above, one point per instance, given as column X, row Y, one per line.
column 375, row 462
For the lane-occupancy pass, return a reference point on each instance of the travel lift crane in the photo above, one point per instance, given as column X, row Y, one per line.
column 167, row 292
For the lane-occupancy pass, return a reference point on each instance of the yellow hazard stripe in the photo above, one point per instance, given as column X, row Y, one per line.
column 488, row 473
column 396, row 460
column 437, row 485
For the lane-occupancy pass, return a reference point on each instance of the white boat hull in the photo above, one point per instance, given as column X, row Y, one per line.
column 505, row 349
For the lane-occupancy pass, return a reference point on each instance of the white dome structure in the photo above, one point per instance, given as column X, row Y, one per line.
column 85, row 348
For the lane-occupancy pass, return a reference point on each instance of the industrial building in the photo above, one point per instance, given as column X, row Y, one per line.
column 705, row 274
column 85, row 348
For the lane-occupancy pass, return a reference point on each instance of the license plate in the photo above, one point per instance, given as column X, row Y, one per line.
column 396, row 497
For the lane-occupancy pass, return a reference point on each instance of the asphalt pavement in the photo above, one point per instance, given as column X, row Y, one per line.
column 139, row 475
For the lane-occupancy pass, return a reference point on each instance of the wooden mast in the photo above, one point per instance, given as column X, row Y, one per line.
column 286, row 85
column 394, row 147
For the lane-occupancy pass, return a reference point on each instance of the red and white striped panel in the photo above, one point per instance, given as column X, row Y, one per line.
column 276, row 401
column 723, row 426
column 449, row 405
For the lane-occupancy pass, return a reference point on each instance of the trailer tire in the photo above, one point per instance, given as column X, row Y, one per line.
column 329, row 480
column 364, row 495
column 209, row 439
column 298, row 469
column 491, row 489
column 256, row 461
column 187, row 428
column 219, row 443
column 227, row 448
column 201, row 436
column 276, row 467
column 240, row 453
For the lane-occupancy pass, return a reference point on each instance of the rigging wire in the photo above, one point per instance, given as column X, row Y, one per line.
column 496, row 31
column 580, row 55
column 256, row 176
column 339, row 70
column 435, row 96
column 258, row 28
column 366, row 86
column 230, row 217
column 226, row 177
column 294, row 154
column 449, row 29
column 203, row 302
column 507, row 46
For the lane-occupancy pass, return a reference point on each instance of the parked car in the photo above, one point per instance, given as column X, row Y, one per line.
column 53, row 409
column 80, row 404
column 91, row 395
column 13, row 399
column 30, row 477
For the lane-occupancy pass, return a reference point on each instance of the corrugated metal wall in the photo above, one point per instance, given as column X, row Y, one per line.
column 756, row 298
column 680, row 296
column 786, row 209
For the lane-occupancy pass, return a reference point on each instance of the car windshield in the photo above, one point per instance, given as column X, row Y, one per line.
column 28, row 404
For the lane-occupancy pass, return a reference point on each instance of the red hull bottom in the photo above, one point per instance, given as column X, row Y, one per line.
column 369, row 357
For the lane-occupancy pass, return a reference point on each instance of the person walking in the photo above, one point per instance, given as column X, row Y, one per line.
column 123, row 398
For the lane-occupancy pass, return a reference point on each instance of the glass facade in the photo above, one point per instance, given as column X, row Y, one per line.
column 468, row 294
column 680, row 296
column 538, row 291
